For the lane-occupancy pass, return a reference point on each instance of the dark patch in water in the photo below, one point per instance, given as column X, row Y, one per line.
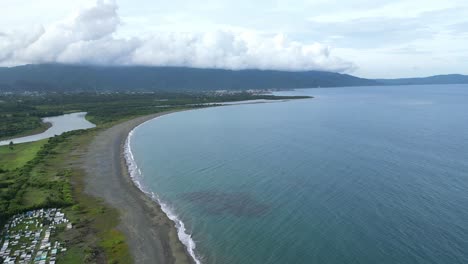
column 239, row 204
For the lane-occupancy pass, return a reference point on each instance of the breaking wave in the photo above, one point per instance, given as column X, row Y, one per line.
column 136, row 175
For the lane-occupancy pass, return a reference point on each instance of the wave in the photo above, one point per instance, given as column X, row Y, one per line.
column 136, row 176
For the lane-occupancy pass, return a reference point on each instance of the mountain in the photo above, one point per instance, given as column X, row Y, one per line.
column 62, row 78
column 437, row 79
column 82, row 78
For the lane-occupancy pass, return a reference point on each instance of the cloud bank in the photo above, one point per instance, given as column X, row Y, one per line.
column 89, row 37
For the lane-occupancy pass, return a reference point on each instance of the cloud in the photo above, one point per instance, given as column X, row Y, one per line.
column 89, row 37
column 235, row 50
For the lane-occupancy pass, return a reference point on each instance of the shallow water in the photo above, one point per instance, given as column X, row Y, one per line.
column 355, row 175
column 59, row 125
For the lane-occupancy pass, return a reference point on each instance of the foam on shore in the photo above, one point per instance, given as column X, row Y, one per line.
column 136, row 176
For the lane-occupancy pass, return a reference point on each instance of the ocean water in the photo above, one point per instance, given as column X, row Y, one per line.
column 59, row 124
column 355, row 175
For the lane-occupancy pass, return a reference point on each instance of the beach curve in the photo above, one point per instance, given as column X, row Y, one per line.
column 154, row 233
column 151, row 236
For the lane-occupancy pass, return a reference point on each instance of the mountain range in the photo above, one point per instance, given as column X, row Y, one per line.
column 85, row 78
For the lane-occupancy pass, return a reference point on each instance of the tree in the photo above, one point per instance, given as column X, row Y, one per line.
column 11, row 145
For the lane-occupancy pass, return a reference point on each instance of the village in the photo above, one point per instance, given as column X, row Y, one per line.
column 29, row 237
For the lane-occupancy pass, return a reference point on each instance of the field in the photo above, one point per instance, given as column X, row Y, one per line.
column 16, row 157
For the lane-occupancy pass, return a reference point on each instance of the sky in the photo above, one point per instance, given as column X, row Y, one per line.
column 367, row 38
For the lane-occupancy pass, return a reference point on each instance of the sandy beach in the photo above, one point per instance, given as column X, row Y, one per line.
column 151, row 236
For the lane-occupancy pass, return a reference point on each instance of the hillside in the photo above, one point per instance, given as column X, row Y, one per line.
column 81, row 78
column 62, row 78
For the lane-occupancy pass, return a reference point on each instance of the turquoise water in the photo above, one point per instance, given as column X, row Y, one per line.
column 355, row 175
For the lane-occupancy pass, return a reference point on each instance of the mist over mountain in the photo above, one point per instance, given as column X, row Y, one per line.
column 74, row 78
column 80, row 78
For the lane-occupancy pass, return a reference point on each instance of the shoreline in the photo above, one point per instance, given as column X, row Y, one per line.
column 151, row 236
column 136, row 176
column 153, row 233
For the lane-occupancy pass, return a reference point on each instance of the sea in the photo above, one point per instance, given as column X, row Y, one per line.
column 353, row 175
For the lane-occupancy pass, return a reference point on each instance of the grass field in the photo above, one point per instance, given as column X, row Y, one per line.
column 17, row 157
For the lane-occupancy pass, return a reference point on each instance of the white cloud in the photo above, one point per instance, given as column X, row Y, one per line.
column 97, row 22
column 236, row 50
column 384, row 38
column 90, row 37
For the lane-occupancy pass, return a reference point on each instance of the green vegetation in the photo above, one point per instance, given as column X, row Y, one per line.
column 18, row 155
column 47, row 180
column 20, row 118
column 37, row 183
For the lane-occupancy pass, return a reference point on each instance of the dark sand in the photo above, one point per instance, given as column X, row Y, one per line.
column 151, row 236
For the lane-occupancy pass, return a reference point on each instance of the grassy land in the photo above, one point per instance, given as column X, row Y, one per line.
column 51, row 178
column 17, row 157
column 38, row 182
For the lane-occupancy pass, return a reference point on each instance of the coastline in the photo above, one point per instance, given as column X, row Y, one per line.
column 151, row 236
column 136, row 176
column 153, row 232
